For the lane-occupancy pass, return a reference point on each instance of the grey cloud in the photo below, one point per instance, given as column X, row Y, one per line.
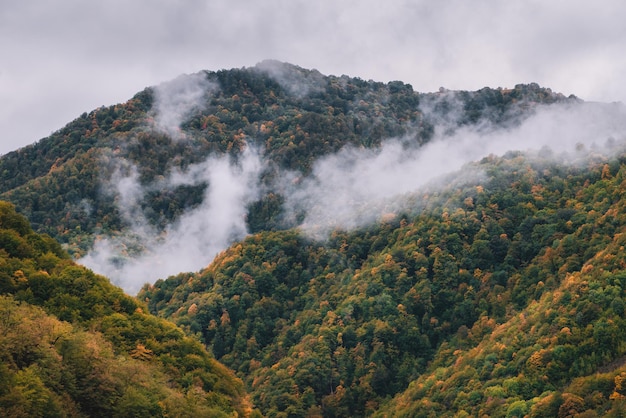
column 63, row 58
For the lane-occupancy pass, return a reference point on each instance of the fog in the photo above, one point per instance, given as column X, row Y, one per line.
column 292, row 80
column 194, row 239
column 176, row 100
column 63, row 57
column 356, row 187
column 346, row 190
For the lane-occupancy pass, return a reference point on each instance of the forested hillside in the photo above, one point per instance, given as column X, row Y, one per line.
column 367, row 264
column 73, row 345
column 502, row 299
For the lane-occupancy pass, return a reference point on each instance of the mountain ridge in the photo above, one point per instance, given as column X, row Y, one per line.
column 327, row 120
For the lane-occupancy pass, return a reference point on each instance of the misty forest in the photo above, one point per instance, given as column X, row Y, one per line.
column 271, row 241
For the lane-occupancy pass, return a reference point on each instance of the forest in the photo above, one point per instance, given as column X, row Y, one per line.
column 505, row 303
column 58, row 182
column 74, row 345
column 499, row 295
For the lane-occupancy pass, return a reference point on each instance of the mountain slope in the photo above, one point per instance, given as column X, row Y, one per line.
column 560, row 353
column 72, row 344
column 463, row 294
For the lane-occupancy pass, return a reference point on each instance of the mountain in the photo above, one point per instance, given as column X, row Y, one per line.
column 379, row 251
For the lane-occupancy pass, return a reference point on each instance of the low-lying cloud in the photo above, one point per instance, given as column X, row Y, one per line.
column 346, row 190
column 356, row 187
column 292, row 79
column 195, row 238
column 176, row 100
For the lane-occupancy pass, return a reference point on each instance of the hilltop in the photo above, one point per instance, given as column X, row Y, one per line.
column 66, row 184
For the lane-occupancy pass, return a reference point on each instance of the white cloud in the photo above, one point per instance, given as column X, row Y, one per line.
column 346, row 190
column 176, row 100
column 356, row 187
column 194, row 239
column 295, row 82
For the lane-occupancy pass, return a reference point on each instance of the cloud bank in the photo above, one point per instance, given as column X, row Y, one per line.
column 194, row 239
column 356, row 187
column 346, row 190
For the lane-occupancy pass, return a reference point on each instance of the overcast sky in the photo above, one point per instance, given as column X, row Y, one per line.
column 61, row 58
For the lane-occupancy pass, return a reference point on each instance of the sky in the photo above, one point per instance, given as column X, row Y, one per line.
column 60, row 59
